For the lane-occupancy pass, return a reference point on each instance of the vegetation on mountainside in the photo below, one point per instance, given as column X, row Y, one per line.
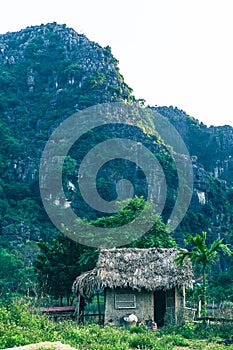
column 46, row 74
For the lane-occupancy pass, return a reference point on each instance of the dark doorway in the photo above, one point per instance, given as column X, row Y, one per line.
column 160, row 307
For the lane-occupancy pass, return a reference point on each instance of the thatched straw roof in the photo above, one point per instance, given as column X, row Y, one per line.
column 151, row 269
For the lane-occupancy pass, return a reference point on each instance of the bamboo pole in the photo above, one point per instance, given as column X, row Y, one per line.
column 99, row 311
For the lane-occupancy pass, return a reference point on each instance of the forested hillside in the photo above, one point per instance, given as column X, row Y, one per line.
column 49, row 72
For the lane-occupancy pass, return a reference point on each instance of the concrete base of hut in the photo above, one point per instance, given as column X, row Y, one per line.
column 163, row 307
column 143, row 307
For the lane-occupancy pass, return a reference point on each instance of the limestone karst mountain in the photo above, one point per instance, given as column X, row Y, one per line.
column 47, row 73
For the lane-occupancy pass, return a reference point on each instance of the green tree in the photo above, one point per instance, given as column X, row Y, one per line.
column 202, row 256
column 157, row 236
column 17, row 275
column 10, row 273
column 59, row 263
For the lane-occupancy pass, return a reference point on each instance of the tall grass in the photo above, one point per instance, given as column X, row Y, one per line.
column 20, row 324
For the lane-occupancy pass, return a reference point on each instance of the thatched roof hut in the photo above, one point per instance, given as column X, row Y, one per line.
column 150, row 269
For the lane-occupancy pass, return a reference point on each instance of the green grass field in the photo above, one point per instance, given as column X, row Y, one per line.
column 21, row 325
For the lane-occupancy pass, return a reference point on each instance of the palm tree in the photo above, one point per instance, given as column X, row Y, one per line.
column 202, row 255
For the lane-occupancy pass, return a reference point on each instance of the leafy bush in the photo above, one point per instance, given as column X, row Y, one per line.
column 176, row 339
column 20, row 326
column 145, row 342
column 139, row 329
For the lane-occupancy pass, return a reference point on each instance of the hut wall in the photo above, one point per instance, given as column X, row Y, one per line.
column 144, row 302
column 175, row 303
column 170, row 307
column 180, row 297
column 180, row 304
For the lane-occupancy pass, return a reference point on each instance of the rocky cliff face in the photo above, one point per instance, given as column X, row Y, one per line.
column 212, row 147
column 47, row 73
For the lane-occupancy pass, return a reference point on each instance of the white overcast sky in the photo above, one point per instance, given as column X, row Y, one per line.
column 171, row 52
